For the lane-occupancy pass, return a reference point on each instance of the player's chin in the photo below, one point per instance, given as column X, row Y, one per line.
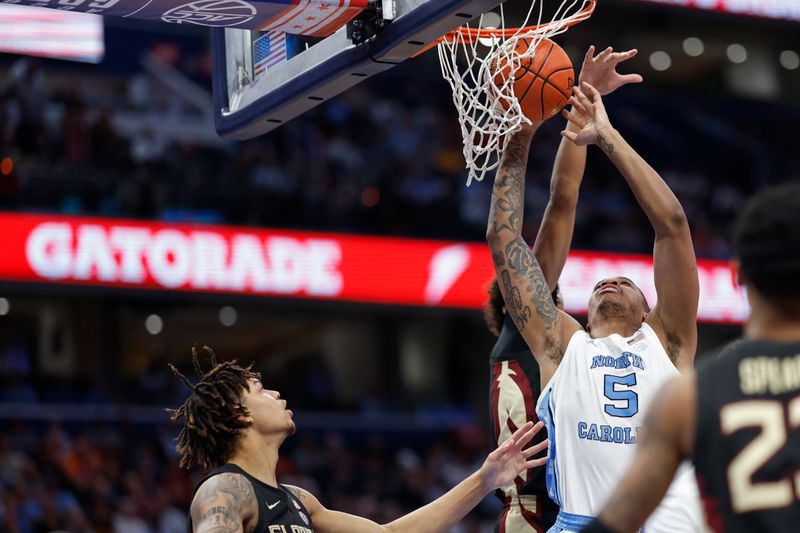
column 292, row 428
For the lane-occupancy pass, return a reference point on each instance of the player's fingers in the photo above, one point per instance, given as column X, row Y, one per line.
column 631, row 78
column 571, row 135
column 589, row 54
column 528, row 435
column 574, row 117
column 566, row 114
column 592, row 94
column 602, row 56
column 536, row 448
column 503, row 449
column 584, row 100
column 535, row 463
column 577, row 104
column 576, row 93
column 518, row 434
column 622, row 56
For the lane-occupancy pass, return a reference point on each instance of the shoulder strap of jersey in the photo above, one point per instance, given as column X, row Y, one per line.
column 295, row 500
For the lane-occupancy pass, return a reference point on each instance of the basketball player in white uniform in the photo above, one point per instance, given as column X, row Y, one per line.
column 596, row 383
column 514, row 373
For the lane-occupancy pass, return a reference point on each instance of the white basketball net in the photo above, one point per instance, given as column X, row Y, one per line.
column 487, row 108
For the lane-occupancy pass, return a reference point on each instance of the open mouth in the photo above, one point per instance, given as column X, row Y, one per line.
column 608, row 289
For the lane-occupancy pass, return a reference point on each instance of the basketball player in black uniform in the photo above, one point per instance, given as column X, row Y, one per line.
column 236, row 426
column 515, row 382
column 513, row 391
column 739, row 416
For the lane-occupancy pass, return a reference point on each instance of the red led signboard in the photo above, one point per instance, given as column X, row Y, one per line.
column 298, row 264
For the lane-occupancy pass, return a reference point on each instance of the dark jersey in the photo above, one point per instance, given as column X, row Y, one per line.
column 279, row 511
column 747, row 440
column 514, row 389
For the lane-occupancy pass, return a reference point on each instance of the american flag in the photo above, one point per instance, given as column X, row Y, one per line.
column 268, row 51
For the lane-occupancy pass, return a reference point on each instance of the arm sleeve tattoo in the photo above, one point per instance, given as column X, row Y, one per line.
column 222, row 504
column 519, row 273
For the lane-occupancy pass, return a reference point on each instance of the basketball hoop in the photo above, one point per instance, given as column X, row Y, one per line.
column 487, row 108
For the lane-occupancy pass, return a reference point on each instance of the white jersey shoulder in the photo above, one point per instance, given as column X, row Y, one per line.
column 593, row 407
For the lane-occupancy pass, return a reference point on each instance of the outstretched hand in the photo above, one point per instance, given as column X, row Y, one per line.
column 589, row 115
column 507, row 462
column 601, row 71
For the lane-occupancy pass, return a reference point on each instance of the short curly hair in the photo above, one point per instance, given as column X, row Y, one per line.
column 213, row 414
column 766, row 241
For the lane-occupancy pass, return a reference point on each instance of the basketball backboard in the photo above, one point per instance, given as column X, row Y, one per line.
column 264, row 79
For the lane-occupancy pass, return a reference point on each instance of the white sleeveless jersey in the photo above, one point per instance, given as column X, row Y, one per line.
column 593, row 407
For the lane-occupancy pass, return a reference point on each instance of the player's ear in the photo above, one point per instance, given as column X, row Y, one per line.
column 246, row 418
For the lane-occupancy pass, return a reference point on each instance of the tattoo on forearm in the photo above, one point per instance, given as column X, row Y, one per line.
column 499, row 259
column 508, row 191
column 517, row 311
column 604, row 145
column 524, row 264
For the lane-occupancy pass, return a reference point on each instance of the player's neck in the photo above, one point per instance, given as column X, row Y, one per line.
column 608, row 327
column 772, row 323
column 258, row 458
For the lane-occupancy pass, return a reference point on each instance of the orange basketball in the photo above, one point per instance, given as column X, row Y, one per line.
column 543, row 82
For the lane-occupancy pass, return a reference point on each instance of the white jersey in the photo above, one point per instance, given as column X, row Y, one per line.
column 592, row 408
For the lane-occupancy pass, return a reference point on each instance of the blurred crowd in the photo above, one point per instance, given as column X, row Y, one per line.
column 94, row 453
column 124, row 478
column 384, row 157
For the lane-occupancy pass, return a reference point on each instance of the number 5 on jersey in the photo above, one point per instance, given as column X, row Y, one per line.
column 614, row 389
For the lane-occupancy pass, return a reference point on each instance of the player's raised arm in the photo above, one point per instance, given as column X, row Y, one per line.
column 522, row 282
column 555, row 232
column 500, row 468
column 665, row 440
column 675, row 266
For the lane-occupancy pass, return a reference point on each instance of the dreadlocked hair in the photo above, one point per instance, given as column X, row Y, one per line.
column 213, row 414
column 493, row 309
column 766, row 241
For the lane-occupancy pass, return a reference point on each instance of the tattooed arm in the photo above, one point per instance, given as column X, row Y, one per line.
column 501, row 467
column 224, row 503
column 522, row 282
column 674, row 264
column 665, row 440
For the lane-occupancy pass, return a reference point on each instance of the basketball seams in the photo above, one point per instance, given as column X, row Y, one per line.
column 546, row 58
column 553, row 85
column 537, row 75
column 552, row 97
